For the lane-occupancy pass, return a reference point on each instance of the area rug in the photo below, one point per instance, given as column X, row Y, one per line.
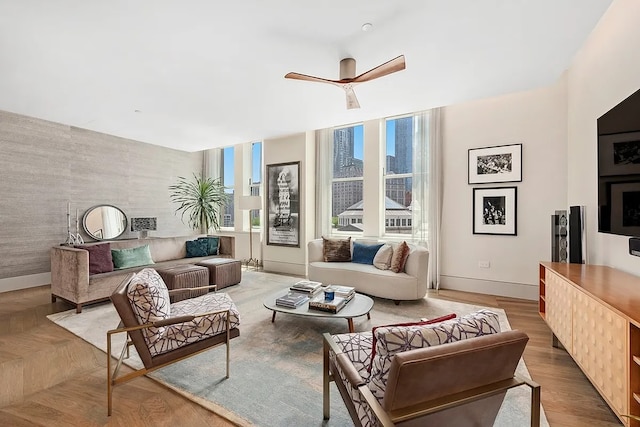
column 276, row 368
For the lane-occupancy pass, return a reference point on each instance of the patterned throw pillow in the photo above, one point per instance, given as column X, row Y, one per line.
column 149, row 297
column 336, row 250
column 395, row 339
column 382, row 260
column 399, row 258
column 213, row 244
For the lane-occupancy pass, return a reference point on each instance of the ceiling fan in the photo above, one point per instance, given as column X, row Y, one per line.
column 348, row 78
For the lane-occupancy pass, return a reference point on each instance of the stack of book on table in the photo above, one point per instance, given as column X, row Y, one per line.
column 307, row 287
column 292, row 299
column 342, row 295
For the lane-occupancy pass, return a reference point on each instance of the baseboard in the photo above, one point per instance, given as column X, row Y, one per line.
column 490, row 287
column 24, row 282
column 284, row 268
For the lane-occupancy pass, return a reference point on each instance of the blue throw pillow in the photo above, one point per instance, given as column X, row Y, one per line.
column 212, row 244
column 196, row 248
column 364, row 254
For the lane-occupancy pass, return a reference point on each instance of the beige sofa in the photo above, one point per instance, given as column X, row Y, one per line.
column 408, row 285
column 70, row 279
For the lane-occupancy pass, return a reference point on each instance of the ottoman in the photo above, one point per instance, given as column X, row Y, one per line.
column 223, row 272
column 185, row 276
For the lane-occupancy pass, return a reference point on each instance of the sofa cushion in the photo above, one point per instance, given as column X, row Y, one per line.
column 399, row 258
column 336, row 250
column 382, row 260
column 149, row 298
column 131, row 257
column 100, row 260
column 213, row 244
column 395, row 339
column 364, row 254
column 196, row 248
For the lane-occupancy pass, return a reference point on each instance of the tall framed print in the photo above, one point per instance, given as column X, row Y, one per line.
column 495, row 210
column 491, row 165
column 283, row 204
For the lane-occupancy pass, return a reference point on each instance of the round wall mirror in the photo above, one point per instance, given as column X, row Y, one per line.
column 104, row 222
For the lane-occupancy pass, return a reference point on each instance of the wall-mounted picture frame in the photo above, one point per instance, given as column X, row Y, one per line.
column 283, row 204
column 490, row 165
column 495, row 211
column 619, row 154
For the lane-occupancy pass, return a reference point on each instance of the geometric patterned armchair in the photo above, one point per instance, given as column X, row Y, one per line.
column 163, row 333
column 455, row 372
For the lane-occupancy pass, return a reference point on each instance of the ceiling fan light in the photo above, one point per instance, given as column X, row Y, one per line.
column 367, row 26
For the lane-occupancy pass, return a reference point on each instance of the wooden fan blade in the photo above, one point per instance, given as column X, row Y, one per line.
column 352, row 100
column 298, row 76
column 396, row 64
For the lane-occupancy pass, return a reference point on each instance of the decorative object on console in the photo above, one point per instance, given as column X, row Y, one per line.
column 336, row 250
column 283, row 204
column 251, row 203
column 559, row 234
column 73, row 238
column 201, row 199
column 577, row 236
column 104, row 222
column 495, row 164
column 494, row 210
column 131, row 257
column 143, row 225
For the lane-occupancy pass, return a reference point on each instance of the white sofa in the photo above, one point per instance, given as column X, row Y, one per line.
column 367, row 279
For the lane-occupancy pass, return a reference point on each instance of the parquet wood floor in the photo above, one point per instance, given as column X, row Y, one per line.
column 49, row 377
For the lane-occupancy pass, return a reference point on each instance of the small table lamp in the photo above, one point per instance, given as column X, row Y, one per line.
column 251, row 203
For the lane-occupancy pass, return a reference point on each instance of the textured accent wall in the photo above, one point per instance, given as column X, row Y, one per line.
column 45, row 165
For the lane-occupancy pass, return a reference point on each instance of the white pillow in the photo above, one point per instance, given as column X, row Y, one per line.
column 382, row 260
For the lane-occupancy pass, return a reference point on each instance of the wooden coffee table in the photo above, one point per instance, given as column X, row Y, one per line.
column 358, row 306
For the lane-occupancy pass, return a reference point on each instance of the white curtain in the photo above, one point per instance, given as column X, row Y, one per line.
column 435, row 194
column 212, row 163
column 323, row 182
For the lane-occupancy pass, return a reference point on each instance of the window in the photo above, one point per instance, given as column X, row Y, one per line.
column 256, row 179
column 228, row 181
column 398, row 180
column 347, row 178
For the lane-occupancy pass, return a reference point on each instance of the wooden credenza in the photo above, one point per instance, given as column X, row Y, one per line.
column 594, row 312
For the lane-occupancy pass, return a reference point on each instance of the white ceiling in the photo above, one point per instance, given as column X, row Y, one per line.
column 206, row 73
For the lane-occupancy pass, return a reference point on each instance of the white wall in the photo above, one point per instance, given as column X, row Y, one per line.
column 603, row 73
column 293, row 148
column 537, row 119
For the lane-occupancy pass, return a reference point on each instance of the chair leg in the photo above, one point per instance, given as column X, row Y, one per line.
column 325, row 380
column 535, row 406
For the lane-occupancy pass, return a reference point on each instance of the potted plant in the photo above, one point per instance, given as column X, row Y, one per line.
column 202, row 199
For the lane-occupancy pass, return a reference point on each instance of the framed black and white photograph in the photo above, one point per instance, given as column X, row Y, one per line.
column 490, row 165
column 283, row 204
column 495, row 210
column 619, row 154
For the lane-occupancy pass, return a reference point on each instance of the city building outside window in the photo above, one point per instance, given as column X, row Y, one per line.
column 255, row 188
column 228, row 182
column 398, row 179
column 347, row 178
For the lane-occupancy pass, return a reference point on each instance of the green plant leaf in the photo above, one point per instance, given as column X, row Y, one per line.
column 201, row 200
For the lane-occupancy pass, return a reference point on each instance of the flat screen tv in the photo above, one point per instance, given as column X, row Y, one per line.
column 619, row 168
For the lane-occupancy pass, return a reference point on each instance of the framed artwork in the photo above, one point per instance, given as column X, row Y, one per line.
column 283, row 204
column 490, row 165
column 495, row 211
column 619, row 154
column 625, row 208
